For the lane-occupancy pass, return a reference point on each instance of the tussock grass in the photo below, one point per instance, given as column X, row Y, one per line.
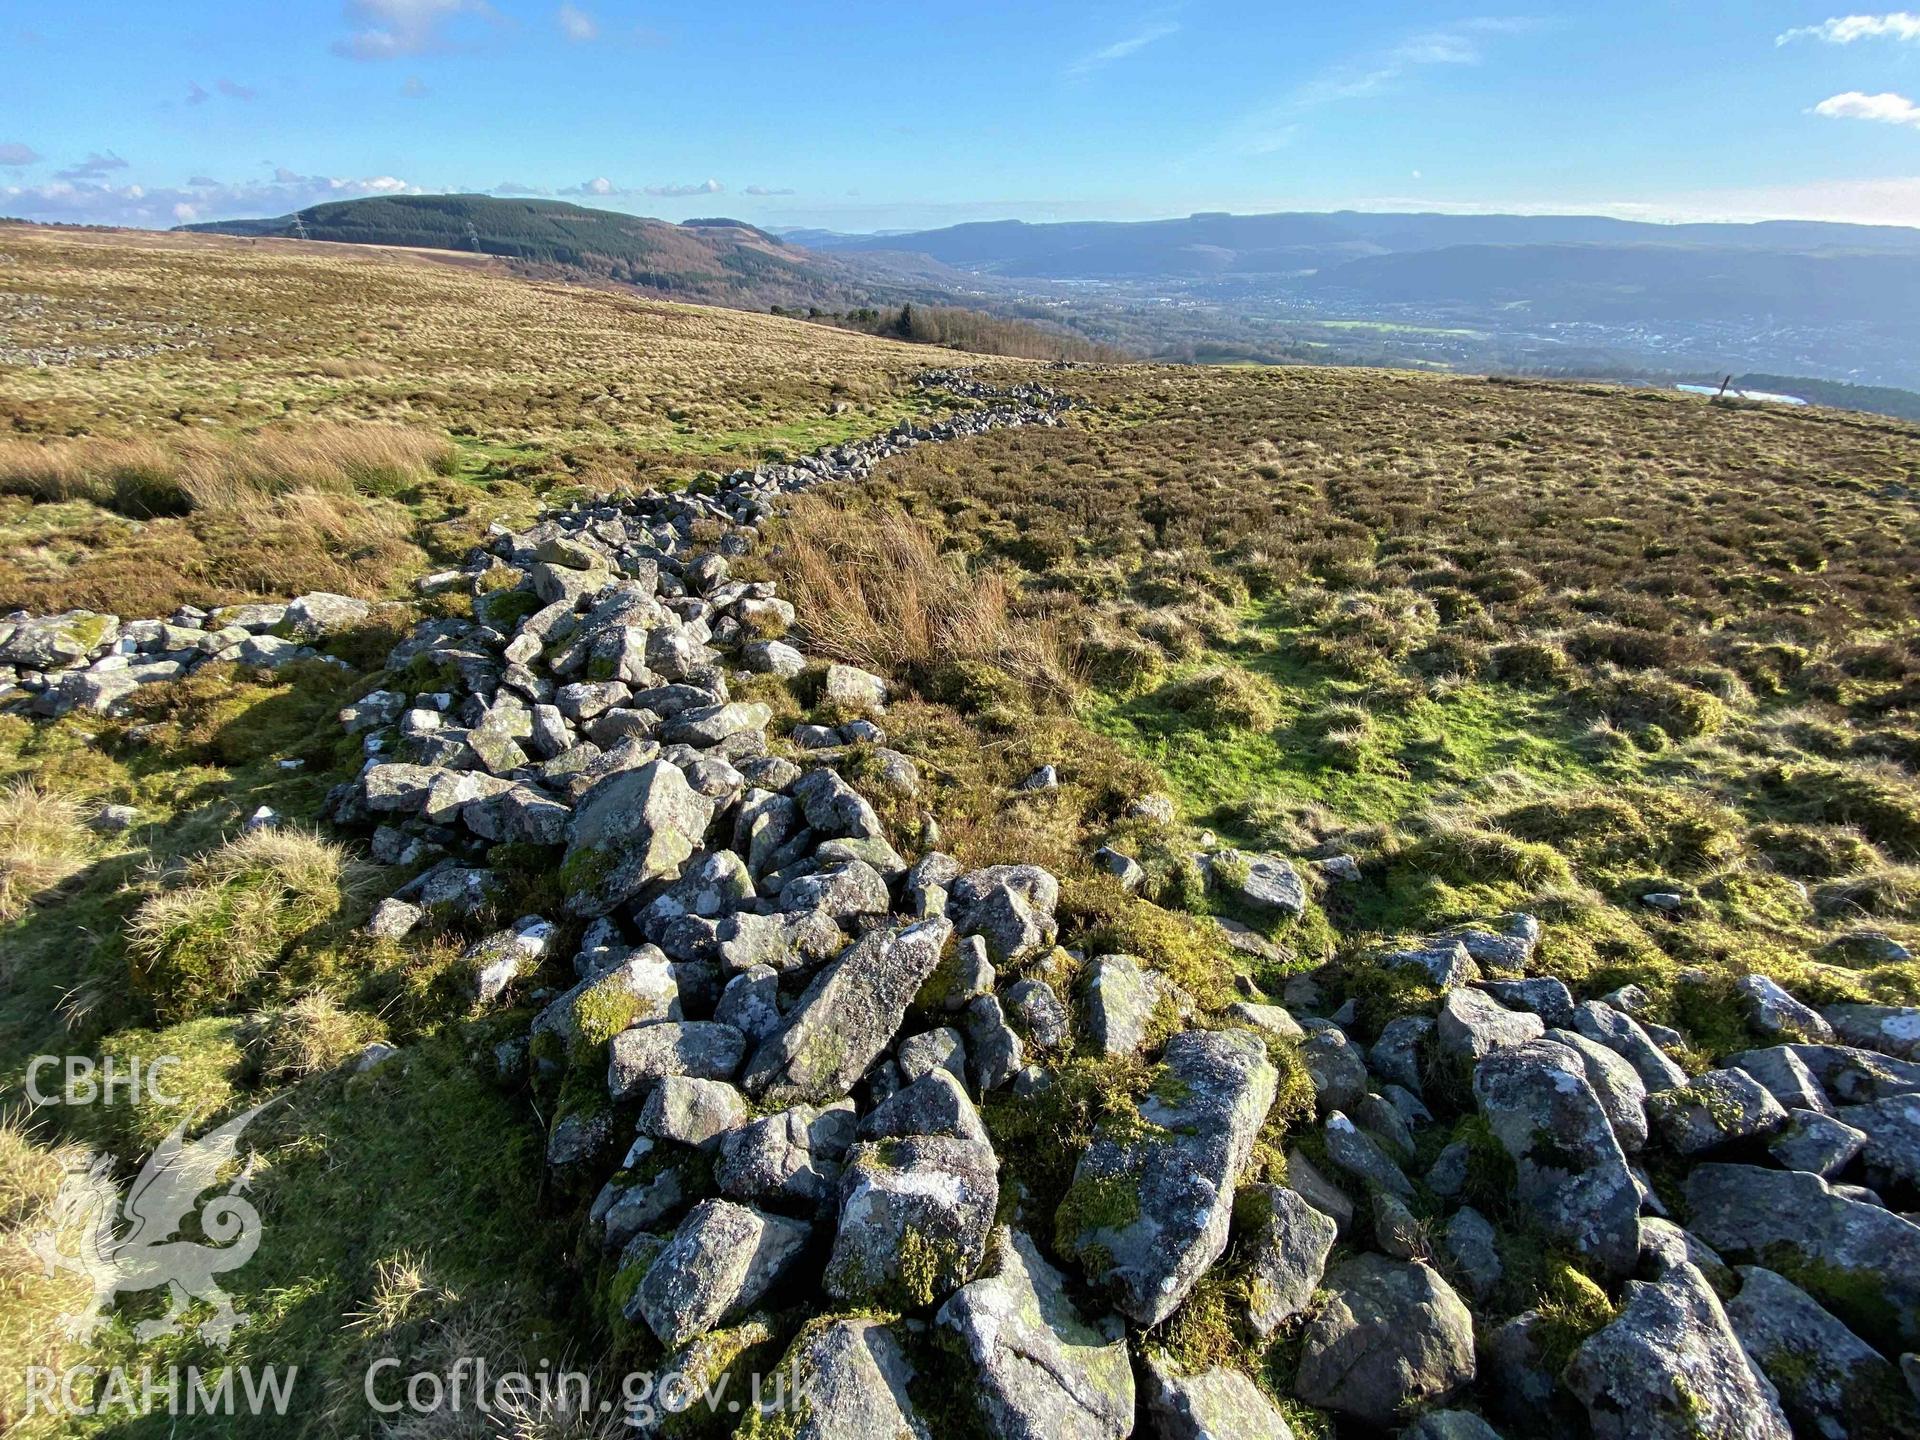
column 310, row 1034
column 877, row 591
column 414, row 1313
column 213, row 930
column 145, row 478
column 42, row 842
column 33, row 1304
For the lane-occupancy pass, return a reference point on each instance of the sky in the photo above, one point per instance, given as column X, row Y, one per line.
column 862, row 116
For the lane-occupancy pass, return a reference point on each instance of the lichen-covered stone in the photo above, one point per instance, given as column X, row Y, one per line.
column 1152, row 1196
column 1042, row 1371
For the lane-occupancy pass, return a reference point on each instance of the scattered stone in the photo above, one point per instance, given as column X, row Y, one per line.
column 847, row 1017
column 915, row 1213
column 1288, row 1240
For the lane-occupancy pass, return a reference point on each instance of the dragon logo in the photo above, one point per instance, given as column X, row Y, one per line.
column 130, row 1244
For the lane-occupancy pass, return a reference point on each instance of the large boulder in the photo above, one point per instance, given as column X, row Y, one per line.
column 1616, row 1084
column 1858, row 1260
column 1624, row 1035
column 1472, row 1025
column 1718, row 1108
column 851, row 1379
column 1571, row 1174
column 847, row 1017
column 1042, row 1372
column 633, row 830
column 1213, row 1405
column 1892, row 1128
column 703, row 1049
column 1831, row 1382
column 1010, row 907
column 1389, row 1335
column 915, row 1214
column 1152, row 1197
column 1267, row 884
column 1118, row 1003
column 1669, row 1367
column 53, row 641
column 720, row 1262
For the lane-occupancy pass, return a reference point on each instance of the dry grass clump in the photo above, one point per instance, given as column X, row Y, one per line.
column 143, row 479
column 875, row 590
column 277, row 546
column 42, row 842
column 33, row 1304
column 306, row 1036
column 414, row 1314
column 212, row 930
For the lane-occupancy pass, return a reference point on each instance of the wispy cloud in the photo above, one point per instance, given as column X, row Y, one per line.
column 415, row 88
column 1888, row 109
column 389, row 29
column 198, row 94
column 12, row 152
column 577, row 25
column 1845, row 29
column 1463, row 43
column 92, row 168
column 769, row 190
column 1122, row 48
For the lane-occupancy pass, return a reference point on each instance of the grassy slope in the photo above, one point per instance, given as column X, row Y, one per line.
column 195, row 340
column 1355, row 552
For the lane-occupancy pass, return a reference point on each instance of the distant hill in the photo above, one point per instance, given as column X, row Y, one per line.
column 713, row 261
column 1202, row 246
column 716, row 261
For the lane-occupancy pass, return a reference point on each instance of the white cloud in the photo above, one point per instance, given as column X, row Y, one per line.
column 202, row 197
column 768, row 190
column 1120, row 49
column 705, row 187
column 1845, row 29
column 392, row 28
column 12, row 152
column 415, row 88
column 1888, row 109
column 577, row 25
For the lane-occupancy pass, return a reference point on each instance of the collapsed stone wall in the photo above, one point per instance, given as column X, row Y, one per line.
column 770, row 1061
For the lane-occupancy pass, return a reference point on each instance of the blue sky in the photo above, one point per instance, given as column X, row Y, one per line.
column 864, row 116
